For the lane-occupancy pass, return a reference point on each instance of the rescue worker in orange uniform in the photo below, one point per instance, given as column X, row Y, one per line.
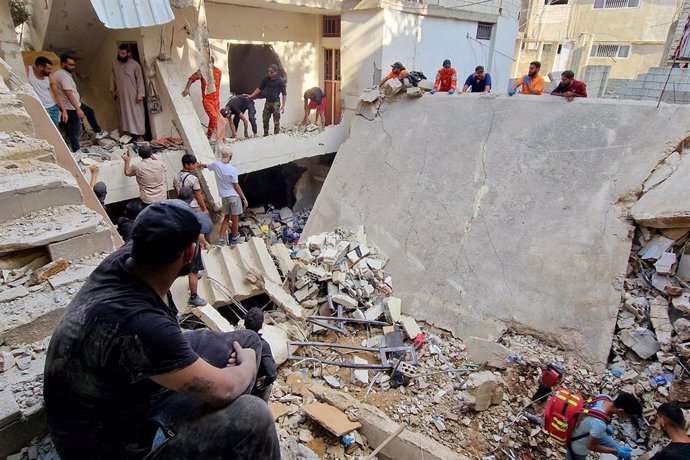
column 210, row 101
column 446, row 79
column 397, row 71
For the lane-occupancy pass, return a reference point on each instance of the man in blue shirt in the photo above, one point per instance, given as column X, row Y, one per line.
column 479, row 81
column 591, row 434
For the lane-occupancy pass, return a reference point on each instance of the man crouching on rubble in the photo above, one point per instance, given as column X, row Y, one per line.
column 123, row 382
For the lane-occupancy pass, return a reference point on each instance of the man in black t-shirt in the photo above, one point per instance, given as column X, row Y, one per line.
column 272, row 87
column 236, row 107
column 123, row 381
column 672, row 421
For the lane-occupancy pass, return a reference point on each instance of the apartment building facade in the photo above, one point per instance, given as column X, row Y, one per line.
column 628, row 35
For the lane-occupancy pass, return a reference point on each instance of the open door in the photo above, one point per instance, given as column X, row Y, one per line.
column 331, row 80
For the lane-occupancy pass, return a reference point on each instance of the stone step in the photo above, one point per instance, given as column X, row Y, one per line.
column 47, row 226
column 225, row 270
column 17, row 147
column 35, row 187
column 13, row 116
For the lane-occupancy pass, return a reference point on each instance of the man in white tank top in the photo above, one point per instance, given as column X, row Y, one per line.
column 45, row 85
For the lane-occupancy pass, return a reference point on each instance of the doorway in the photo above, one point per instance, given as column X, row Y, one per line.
column 134, row 48
column 331, row 78
column 248, row 64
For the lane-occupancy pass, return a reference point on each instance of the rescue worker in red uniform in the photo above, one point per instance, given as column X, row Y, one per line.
column 446, row 79
column 210, row 101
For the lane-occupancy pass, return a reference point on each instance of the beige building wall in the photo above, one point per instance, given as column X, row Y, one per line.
column 644, row 28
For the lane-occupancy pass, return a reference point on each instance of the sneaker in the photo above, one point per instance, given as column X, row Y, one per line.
column 234, row 240
column 101, row 135
column 221, row 242
column 197, row 301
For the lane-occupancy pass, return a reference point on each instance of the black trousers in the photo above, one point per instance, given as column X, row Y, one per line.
column 251, row 114
column 74, row 125
column 242, row 430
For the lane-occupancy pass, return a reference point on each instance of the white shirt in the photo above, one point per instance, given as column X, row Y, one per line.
column 226, row 176
column 42, row 88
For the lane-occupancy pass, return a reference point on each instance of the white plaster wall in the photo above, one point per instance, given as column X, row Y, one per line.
column 422, row 43
column 361, row 50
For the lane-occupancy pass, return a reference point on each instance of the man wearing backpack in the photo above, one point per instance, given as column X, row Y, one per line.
column 187, row 178
column 591, row 432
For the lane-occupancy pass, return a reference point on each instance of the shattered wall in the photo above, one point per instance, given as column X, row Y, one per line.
column 500, row 211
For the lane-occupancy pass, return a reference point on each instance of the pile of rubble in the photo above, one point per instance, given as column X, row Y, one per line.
column 115, row 145
column 301, row 130
column 274, row 225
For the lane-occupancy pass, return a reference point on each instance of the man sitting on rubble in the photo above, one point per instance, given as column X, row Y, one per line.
column 123, row 381
column 569, row 88
column 591, row 434
column 397, row 71
column 672, row 421
column 266, row 375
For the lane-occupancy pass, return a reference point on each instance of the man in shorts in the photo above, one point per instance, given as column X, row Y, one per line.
column 233, row 198
column 314, row 99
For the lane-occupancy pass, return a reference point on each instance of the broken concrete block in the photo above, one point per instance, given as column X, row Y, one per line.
column 392, row 87
column 410, row 326
column 42, row 274
column 487, row 351
column 306, row 292
column 360, row 376
column 415, row 92
column 374, row 313
column 340, row 277
column 370, row 94
column 682, row 302
column 664, row 207
column 683, row 268
column 6, row 361
column 666, row 263
column 282, row 299
column 658, row 312
column 661, row 282
column 9, row 410
column 393, row 309
column 277, row 338
column 641, row 341
column 655, row 248
column 682, row 328
column 82, row 246
column 331, row 418
column 13, row 293
column 680, row 391
column 675, row 234
column 212, row 319
column 345, row 300
column 74, row 274
column 482, row 390
column 278, row 410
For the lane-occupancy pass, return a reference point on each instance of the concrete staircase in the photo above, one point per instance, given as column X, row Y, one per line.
column 43, row 219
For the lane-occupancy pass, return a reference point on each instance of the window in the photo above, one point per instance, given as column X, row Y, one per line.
column 616, row 3
column 555, row 2
column 610, row 51
column 484, row 30
column 331, row 26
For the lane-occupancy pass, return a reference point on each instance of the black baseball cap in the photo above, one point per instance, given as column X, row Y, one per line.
column 478, row 68
column 162, row 232
column 100, row 190
column 398, row 65
column 446, row 63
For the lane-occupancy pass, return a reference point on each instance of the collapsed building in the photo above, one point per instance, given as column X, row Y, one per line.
column 440, row 269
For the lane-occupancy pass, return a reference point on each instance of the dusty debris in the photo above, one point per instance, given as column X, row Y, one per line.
column 331, row 418
column 482, row 390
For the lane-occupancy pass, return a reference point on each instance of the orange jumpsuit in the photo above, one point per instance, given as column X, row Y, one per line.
column 210, row 101
column 446, row 79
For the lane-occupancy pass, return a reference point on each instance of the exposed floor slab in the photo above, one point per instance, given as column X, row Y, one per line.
column 501, row 222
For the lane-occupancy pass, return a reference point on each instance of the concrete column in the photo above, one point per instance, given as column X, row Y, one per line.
column 583, row 47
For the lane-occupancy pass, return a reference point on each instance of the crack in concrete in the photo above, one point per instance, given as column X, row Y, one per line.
column 480, row 175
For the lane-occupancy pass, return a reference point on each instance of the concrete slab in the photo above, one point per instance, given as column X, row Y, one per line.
column 226, row 269
column 281, row 254
column 47, row 226
column 98, row 241
column 74, row 274
column 26, row 190
column 18, row 148
column 473, row 218
column 13, row 117
column 665, row 205
column 9, row 410
column 212, row 319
